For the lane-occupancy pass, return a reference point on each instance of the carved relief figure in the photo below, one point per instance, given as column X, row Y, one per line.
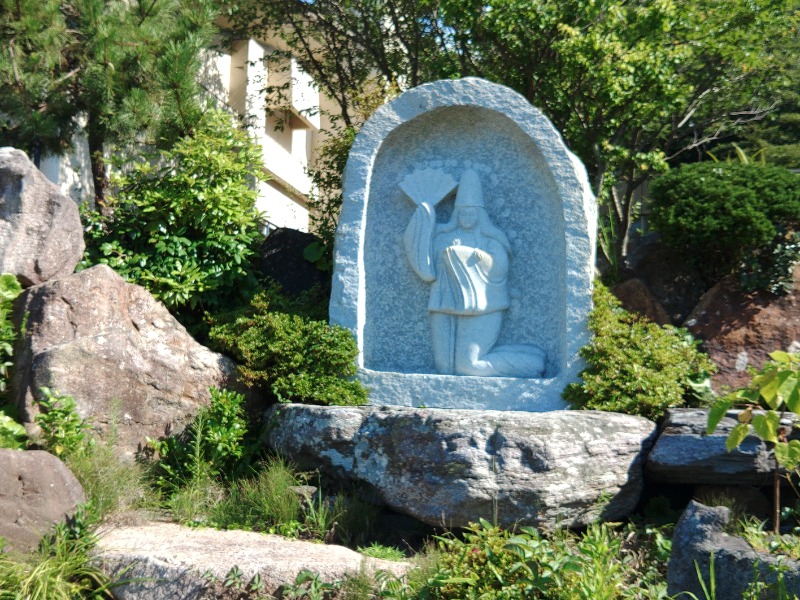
column 466, row 260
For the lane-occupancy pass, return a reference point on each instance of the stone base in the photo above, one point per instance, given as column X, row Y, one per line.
column 458, row 391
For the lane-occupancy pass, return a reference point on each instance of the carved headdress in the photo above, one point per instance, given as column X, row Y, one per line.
column 469, row 191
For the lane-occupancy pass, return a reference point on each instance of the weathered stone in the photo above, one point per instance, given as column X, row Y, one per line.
column 282, row 259
column 739, row 330
column 455, row 466
column 464, row 251
column 635, row 297
column 683, row 453
column 36, row 491
column 41, row 237
column 118, row 352
column 171, row 562
column 700, row 532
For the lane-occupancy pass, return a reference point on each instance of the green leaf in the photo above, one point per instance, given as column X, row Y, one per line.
column 781, row 357
column 737, row 436
column 788, row 454
column 766, row 426
column 717, row 412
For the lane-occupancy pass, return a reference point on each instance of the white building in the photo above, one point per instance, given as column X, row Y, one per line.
column 235, row 79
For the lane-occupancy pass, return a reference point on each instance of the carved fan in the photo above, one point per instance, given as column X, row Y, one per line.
column 428, row 186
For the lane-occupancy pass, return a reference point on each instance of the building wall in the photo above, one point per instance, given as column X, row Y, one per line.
column 234, row 80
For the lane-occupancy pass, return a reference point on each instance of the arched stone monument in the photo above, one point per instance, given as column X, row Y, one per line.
column 465, row 251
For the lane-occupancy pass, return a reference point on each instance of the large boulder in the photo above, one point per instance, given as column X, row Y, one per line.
column 452, row 467
column 636, row 297
column 699, row 534
column 683, row 453
column 168, row 561
column 36, row 491
column 740, row 329
column 118, row 352
column 41, row 237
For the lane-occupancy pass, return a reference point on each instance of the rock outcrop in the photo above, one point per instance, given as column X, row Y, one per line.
column 740, row 329
column 117, row 351
column 36, row 491
column 683, row 453
column 41, row 237
column 700, row 532
column 450, row 467
column 636, row 297
column 171, row 562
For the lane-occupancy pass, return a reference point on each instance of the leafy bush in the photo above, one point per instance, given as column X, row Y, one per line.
column 727, row 216
column 64, row 432
column 211, row 445
column 636, row 366
column 291, row 357
column 12, row 434
column 183, row 223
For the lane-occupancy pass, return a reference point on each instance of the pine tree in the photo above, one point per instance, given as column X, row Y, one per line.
column 129, row 68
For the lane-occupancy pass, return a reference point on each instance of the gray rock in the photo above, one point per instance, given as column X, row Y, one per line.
column 171, row 562
column 700, row 532
column 37, row 490
column 118, row 352
column 452, row 467
column 41, row 237
column 683, row 453
column 532, row 198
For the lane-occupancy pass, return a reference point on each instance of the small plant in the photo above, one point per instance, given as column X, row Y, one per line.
column 376, row 550
column 777, row 387
column 309, row 586
column 263, row 502
column 64, row 432
column 9, row 290
column 210, row 445
column 292, row 357
column 638, row 367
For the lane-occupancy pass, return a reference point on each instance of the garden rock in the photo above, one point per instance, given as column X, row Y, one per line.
column 683, row 453
column 171, row 562
column 282, row 259
column 118, row 352
column 700, row 532
column 635, row 297
column 740, row 329
column 41, row 237
column 36, row 491
column 452, row 467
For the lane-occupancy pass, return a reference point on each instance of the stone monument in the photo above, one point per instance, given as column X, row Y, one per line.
column 465, row 251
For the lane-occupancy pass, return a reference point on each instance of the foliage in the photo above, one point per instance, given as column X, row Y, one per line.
column 62, row 568
column 12, row 434
column 375, row 550
column 776, row 387
column 724, row 216
column 629, row 85
column 309, row 586
column 210, row 446
column 64, row 432
column 263, row 502
column 636, row 366
column 184, row 223
column 9, row 290
column 61, row 62
column 291, row 357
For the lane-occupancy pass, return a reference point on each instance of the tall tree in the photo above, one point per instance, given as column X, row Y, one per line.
column 631, row 84
column 126, row 70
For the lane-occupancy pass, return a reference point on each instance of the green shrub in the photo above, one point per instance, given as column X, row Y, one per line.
column 9, row 290
column 12, row 434
column 291, row 357
column 723, row 217
column 184, row 223
column 210, row 446
column 635, row 366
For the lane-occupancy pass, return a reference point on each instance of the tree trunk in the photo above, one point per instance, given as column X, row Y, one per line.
column 99, row 173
